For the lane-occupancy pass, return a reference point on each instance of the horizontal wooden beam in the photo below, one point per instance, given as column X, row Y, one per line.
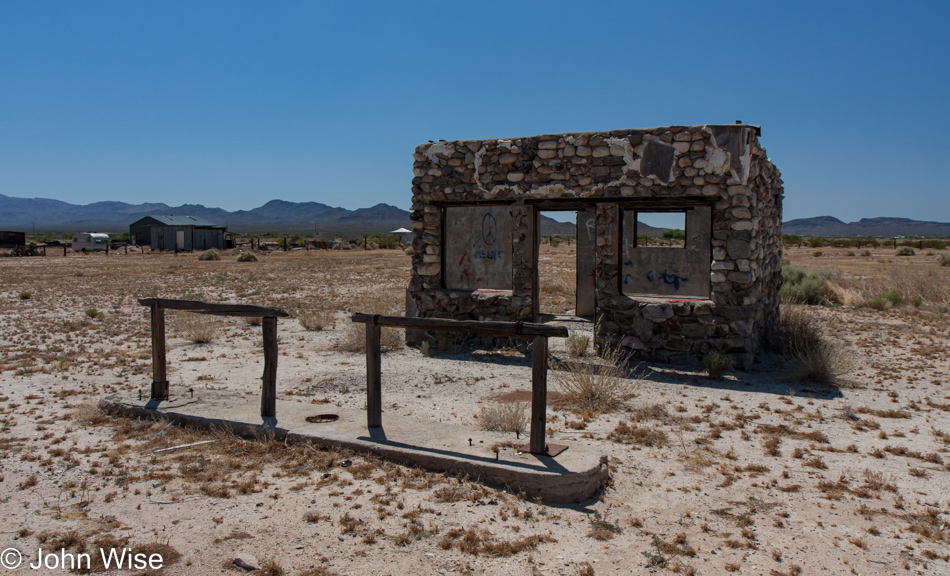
column 492, row 328
column 198, row 307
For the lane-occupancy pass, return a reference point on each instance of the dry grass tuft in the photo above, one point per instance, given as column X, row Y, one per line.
column 316, row 319
column 354, row 334
column 482, row 541
column 197, row 328
column 809, row 356
column 595, row 386
column 717, row 364
column 578, row 344
column 631, row 433
column 504, row 417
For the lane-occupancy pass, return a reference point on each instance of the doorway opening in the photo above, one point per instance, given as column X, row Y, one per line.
column 566, row 240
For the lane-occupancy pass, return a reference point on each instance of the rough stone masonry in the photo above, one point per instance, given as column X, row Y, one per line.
column 475, row 209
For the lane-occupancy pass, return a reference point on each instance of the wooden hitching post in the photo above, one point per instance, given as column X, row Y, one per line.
column 269, row 386
column 539, row 393
column 159, row 377
column 374, row 393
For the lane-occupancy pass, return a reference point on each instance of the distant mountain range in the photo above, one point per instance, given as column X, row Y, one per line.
column 880, row 227
column 275, row 216
column 48, row 215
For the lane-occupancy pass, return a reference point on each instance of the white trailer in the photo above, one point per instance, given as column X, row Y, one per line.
column 90, row 242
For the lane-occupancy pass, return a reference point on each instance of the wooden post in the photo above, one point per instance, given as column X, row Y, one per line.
column 64, row 250
column 269, row 386
column 539, row 394
column 159, row 377
column 374, row 386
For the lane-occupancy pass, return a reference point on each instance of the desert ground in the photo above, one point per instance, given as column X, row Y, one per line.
column 760, row 472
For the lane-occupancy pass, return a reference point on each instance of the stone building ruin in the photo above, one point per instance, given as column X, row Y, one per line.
column 475, row 210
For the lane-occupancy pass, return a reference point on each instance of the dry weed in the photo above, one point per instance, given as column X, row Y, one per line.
column 354, row 334
column 504, row 417
column 595, row 385
column 809, row 356
column 316, row 319
column 197, row 328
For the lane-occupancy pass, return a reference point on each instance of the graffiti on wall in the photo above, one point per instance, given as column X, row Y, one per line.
column 478, row 248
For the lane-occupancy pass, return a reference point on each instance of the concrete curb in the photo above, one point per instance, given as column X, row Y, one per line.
column 550, row 486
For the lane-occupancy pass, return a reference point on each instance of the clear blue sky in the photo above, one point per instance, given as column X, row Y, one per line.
column 231, row 104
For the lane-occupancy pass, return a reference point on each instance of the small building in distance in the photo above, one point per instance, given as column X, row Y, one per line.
column 173, row 232
column 12, row 239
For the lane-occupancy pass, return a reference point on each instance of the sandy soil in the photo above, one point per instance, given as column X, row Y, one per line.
column 754, row 474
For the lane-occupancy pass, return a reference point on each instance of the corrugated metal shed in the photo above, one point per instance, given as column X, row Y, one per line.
column 174, row 232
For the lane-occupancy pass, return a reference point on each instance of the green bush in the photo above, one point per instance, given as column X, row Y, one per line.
column 894, row 297
column 944, row 259
column 887, row 300
column 209, row 255
column 717, row 364
column 25, row 295
column 247, row 257
column 805, row 287
column 917, row 301
column 905, row 251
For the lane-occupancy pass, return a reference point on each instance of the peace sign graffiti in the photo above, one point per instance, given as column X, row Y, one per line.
column 489, row 229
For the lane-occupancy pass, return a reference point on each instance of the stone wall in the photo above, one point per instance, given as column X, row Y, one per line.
column 722, row 168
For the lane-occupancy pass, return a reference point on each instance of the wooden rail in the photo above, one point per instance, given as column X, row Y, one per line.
column 539, row 333
column 268, row 327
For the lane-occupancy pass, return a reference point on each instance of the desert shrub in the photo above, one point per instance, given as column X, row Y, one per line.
column 865, row 253
column 316, row 319
column 808, row 355
column 917, row 301
column 247, row 257
column 894, row 297
column 717, row 364
column 595, row 385
column 95, row 314
column 817, row 253
column 803, row 286
column 944, row 259
column 354, row 334
column 197, row 328
column 504, row 417
column 577, row 344
column 253, row 320
column 408, row 250
column 211, row 254
column 905, row 251
column 25, row 295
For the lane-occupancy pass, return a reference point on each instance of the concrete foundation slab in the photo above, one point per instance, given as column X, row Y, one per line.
column 576, row 474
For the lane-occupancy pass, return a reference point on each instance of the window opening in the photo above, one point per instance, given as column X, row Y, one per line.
column 661, row 229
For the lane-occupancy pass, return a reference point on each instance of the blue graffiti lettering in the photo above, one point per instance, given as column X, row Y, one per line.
column 668, row 278
column 673, row 279
column 488, row 255
column 627, row 278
